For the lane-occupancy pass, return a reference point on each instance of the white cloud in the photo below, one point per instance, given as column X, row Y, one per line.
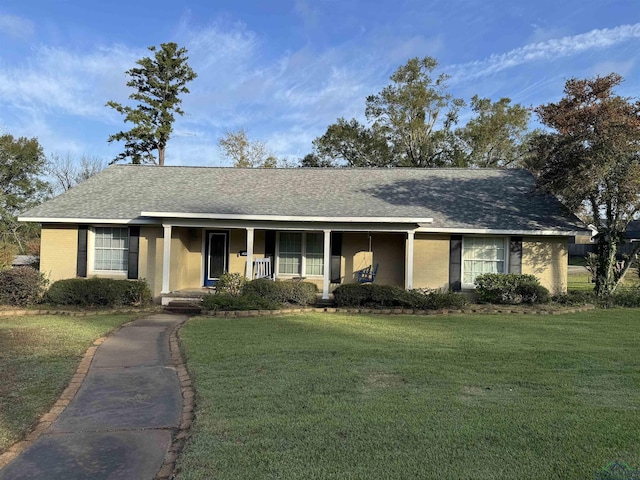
column 17, row 27
column 544, row 51
column 57, row 80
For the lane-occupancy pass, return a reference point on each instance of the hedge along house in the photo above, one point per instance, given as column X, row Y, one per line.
column 180, row 228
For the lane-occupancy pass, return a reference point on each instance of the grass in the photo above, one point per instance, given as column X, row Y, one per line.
column 319, row 396
column 580, row 282
column 38, row 357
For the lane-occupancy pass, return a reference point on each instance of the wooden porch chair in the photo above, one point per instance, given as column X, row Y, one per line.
column 367, row 275
column 262, row 268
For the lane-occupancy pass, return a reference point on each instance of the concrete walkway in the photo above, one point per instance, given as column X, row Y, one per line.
column 120, row 423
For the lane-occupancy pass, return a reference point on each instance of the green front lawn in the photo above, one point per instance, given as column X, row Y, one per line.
column 318, row 396
column 38, row 357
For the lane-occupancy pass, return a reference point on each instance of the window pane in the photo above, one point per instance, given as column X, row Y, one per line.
column 482, row 255
column 111, row 249
column 291, row 253
column 315, row 243
column 289, row 264
column 291, row 242
column 314, row 264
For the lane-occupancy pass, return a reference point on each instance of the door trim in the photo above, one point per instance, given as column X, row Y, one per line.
column 207, row 281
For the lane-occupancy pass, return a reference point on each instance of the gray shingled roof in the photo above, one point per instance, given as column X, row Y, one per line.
column 454, row 198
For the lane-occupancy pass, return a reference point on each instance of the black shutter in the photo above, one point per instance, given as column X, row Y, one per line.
column 134, row 251
column 270, row 246
column 81, row 261
column 455, row 263
column 515, row 255
column 336, row 257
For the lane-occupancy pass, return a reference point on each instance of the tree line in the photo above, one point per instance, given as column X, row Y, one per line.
column 587, row 154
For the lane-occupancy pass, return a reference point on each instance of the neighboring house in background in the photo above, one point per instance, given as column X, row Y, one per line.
column 24, row 261
column 632, row 237
column 182, row 227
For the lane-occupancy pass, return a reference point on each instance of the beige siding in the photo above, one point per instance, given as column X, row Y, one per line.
column 388, row 252
column 59, row 251
column 546, row 258
column 150, row 257
column 186, row 258
column 355, row 255
column 237, row 242
column 431, row 261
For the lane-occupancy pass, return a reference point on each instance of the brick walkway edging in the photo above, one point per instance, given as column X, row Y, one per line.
column 478, row 309
column 168, row 468
column 19, row 312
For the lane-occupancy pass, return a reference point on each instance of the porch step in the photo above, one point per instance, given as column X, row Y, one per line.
column 325, row 302
column 187, row 306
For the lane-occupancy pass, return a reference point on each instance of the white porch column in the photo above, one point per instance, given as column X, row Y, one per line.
column 166, row 258
column 409, row 267
column 249, row 268
column 327, row 264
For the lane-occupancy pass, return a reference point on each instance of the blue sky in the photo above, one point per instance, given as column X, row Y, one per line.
column 285, row 70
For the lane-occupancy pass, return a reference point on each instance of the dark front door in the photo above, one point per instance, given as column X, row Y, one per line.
column 216, row 257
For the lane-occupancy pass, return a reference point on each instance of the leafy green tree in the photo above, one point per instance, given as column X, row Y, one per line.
column 591, row 161
column 245, row 153
column 22, row 162
column 495, row 137
column 414, row 112
column 354, row 144
column 158, row 82
column 410, row 123
column 313, row 160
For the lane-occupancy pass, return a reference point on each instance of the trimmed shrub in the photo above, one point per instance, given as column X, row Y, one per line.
column 367, row 294
column 230, row 283
column 379, row 296
column 510, row 289
column 425, row 299
column 627, row 298
column 98, row 292
column 576, row 298
column 21, row 286
column 623, row 298
column 228, row 302
column 297, row 293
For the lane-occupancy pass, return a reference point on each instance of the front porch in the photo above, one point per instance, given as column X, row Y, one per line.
column 193, row 258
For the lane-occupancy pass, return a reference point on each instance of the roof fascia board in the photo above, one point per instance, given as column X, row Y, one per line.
column 490, row 231
column 285, row 218
column 294, row 226
column 123, row 221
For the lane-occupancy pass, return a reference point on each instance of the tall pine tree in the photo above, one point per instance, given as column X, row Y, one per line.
column 158, row 82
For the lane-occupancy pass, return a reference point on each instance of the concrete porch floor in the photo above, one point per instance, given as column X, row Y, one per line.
column 188, row 294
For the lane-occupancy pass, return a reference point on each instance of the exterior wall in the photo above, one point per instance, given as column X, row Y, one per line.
column 238, row 243
column 547, row 259
column 186, row 258
column 388, row 251
column 431, row 261
column 59, row 251
column 355, row 255
column 150, row 257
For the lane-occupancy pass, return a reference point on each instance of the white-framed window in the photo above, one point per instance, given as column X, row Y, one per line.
column 300, row 253
column 110, row 249
column 482, row 255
